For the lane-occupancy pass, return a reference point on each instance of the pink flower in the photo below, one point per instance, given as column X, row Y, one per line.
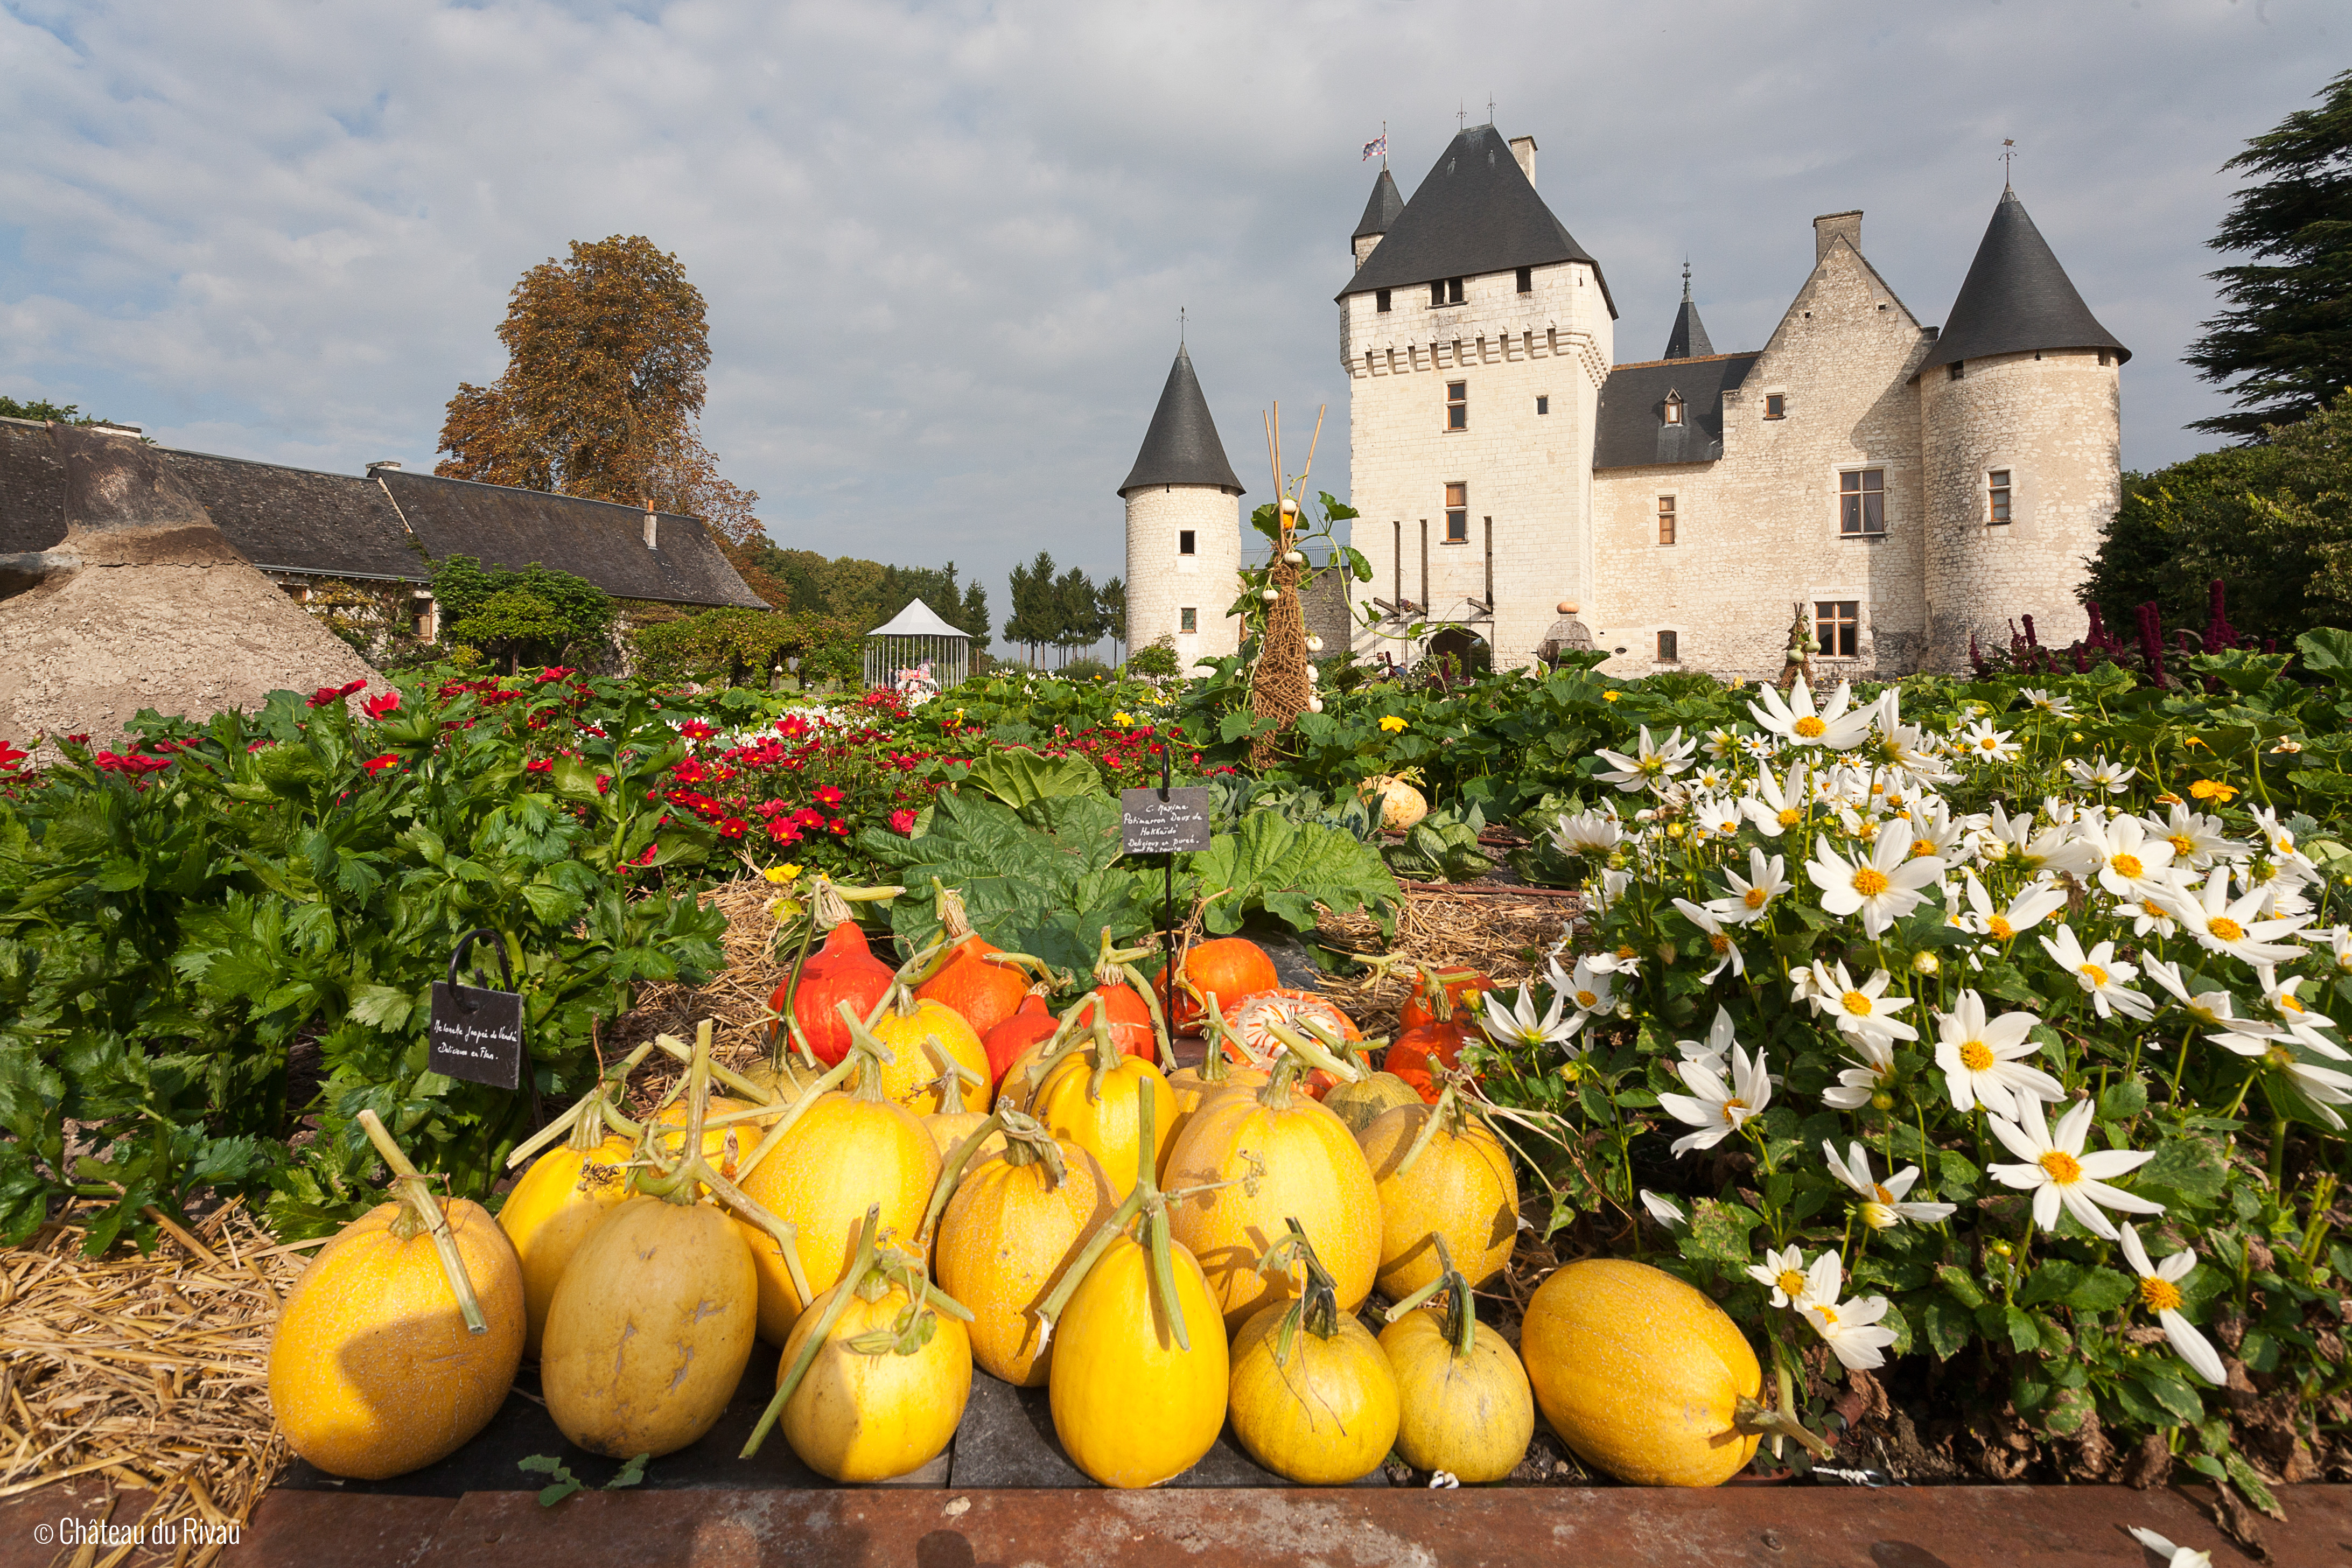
column 902, row 821
column 382, row 703
column 378, row 765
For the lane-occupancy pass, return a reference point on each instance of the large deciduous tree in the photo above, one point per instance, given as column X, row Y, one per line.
column 2286, row 339
column 602, row 392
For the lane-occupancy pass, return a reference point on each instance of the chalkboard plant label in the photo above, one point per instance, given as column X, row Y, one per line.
column 477, row 1031
column 1163, row 822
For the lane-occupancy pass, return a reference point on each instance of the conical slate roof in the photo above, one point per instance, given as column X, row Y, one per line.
column 1181, row 446
column 1473, row 212
column 1381, row 211
column 2016, row 299
column 1688, row 338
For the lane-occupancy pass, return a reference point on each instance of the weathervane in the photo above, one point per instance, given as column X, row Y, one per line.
column 1461, row 116
column 1490, row 108
column 2008, row 152
column 1179, row 326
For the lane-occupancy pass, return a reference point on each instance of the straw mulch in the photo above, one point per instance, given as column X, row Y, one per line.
column 736, row 999
column 1505, row 936
column 149, row 1372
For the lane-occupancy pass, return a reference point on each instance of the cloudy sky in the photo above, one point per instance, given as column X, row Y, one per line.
column 944, row 245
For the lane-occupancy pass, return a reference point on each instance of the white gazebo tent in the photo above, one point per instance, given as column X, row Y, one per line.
column 897, row 653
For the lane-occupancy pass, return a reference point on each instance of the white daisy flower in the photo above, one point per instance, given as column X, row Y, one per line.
column 2101, row 974
column 1612, row 887
column 1797, row 721
column 2174, row 1556
column 1718, row 941
column 2339, row 938
column 2160, row 1292
column 1716, row 815
column 1982, row 1058
column 2279, row 840
column 1987, row 744
column 1851, row 1328
column 1718, row 1110
column 1587, row 833
column 2025, row 911
column 1882, row 887
column 2058, row 1172
column 1663, row 1210
column 1864, row 1010
column 1720, row 744
column 2279, row 997
column 1774, row 806
column 1713, row 1053
column 2223, row 926
column 1865, row 1077
column 1651, row 763
column 1751, row 896
column 2056, row 706
column 2214, row 1007
column 2150, row 917
column 1883, row 1207
column 1588, row 990
column 2131, row 862
column 1516, row 1023
column 1783, row 1273
column 2325, row 1086
column 2052, row 848
column 2101, row 773
column 2196, row 838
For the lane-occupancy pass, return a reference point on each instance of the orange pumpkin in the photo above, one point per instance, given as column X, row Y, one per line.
column 985, row 994
column 1231, row 968
column 1130, row 1021
column 842, row 970
column 1459, row 1000
column 1424, row 1044
column 1030, row 1022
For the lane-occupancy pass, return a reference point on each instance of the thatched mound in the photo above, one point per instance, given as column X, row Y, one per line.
column 145, row 604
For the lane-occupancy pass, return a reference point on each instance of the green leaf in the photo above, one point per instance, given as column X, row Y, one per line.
column 2168, row 1391
column 2328, row 651
column 1948, row 1325
column 1719, row 1232
column 2190, row 1166
column 1999, row 1321
column 1023, row 778
column 1958, row 1282
column 2123, row 1100
column 2243, row 1476
column 383, row 1007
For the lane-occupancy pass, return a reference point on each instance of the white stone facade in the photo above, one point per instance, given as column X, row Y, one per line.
column 1164, row 583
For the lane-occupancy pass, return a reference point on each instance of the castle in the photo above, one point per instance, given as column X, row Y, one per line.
column 1899, row 488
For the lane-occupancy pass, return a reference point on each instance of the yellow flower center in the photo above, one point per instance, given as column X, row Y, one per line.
column 1810, row 727
column 1922, row 846
column 2128, row 865
column 1790, row 816
column 1989, row 743
column 1730, row 1107
column 2158, row 1295
column 1625, row 952
column 1884, row 1195
column 1587, row 1000
column 2095, row 974
column 2182, row 844
column 1856, row 1004
column 1754, row 898
column 1718, row 941
column 1976, row 1057
column 1791, row 1283
column 1998, row 926
column 2224, row 929
column 1870, row 881
column 2287, row 1003
column 2063, row 1168
column 1828, row 1316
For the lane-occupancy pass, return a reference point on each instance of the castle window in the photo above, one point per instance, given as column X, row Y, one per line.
column 1445, row 291
column 1776, row 405
column 1184, row 542
column 1457, row 406
column 1381, row 301
column 1666, row 520
column 2103, row 356
column 1998, row 486
column 1669, row 648
column 1457, row 514
column 1527, row 280
column 1543, row 406
column 1673, row 409
column 1188, row 620
column 1837, row 626
column 1862, row 502
column 1954, row 371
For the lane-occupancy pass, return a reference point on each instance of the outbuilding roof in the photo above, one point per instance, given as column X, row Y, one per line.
column 1182, row 445
column 1473, row 212
column 1629, row 429
column 2016, row 298
column 917, row 620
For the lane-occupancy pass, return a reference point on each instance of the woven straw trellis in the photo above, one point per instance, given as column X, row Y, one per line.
column 1279, row 689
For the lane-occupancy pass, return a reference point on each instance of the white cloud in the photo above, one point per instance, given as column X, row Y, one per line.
column 944, row 245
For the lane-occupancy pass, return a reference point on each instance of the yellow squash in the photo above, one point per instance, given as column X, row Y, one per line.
column 1641, row 1374
column 1089, row 1097
column 1132, row 1406
column 565, row 1194
column 1015, row 1223
column 954, row 1121
column 1320, row 1410
column 869, row 1411
column 1439, row 1171
column 1361, row 1104
column 1466, row 1406
column 909, row 1079
column 650, row 1329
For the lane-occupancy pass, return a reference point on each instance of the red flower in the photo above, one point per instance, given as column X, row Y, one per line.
column 382, row 703
column 603, row 784
column 555, row 672
column 732, row 827
column 378, row 765
column 648, row 858
column 80, row 740
column 133, row 764
column 540, row 765
column 807, row 817
column 696, row 729
column 902, row 821
column 829, row 795
column 838, row 828
column 784, row 832
column 10, row 757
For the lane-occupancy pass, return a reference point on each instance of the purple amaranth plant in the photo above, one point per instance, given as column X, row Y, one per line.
column 2219, row 633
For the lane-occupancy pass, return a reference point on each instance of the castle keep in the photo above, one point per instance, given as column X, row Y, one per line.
column 1900, row 488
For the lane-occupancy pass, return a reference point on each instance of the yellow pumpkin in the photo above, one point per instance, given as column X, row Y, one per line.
column 1326, row 1413
column 1301, row 1161
column 1102, row 1118
column 911, row 1078
column 1131, row 1405
column 846, row 1152
column 373, row 1372
column 954, row 1121
column 1462, row 1186
column 1010, row 1232
column 723, row 1147
column 1192, row 1087
column 1361, row 1104
column 873, row 1416
column 650, row 1329
column 1640, row 1373
column 565, row 1194
column 1466, row 1406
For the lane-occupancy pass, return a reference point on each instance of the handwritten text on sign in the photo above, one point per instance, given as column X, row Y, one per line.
column 477, row 1034
column 1150, row 825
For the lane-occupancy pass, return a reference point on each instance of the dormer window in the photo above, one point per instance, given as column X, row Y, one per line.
column 1445, row 291
column 1380, row 300
column 1527, row 280
column 1673, row 408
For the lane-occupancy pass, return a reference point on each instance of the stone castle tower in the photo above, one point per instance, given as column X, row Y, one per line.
column 2021, row 417
column 1183, row 529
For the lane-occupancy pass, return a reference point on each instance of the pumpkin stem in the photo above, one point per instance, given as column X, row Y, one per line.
column 1158, row 1019
column 837, row 1303
column 1068, row 1037
column 1461, row 1318
column 809, row 1095
column 1147, row 1200
column 829, row 900
column 777, row 1038
column 1448, row 1100
column 955, row 924
column 918, row 970
column 953, row 1076
column 951, row 1169
column 584, row 1124
column 1300, row 1055
column 1317, row 1307
column 677, row 1184
column 417, row 1193
column 1215, row 1069
column 1756, row 1420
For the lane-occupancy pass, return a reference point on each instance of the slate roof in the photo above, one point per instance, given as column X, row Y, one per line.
column 1381, row 211
column 597, row 540
column 339, row 525
column 1629, row 431
column 1473, row 212
column 1182, row 445
column 1688, row 337
column 2016, row 298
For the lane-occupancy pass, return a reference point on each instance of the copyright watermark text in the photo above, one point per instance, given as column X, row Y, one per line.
column 172, row 1534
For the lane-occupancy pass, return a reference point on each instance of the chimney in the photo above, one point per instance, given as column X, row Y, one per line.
column 1523, row 148
column 108, row 428
column 393, row 463
column 1830, row 226
column 650, row 530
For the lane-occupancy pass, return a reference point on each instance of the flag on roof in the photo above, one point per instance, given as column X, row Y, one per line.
column 1378, row 147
